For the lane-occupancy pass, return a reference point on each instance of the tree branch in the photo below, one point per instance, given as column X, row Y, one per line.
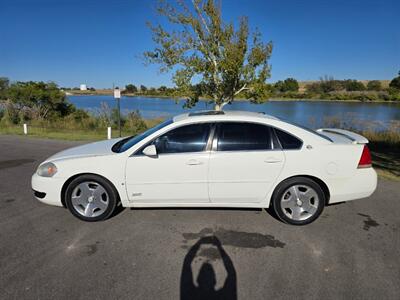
column 198, row 11
column 212, row 55
column 241, row 90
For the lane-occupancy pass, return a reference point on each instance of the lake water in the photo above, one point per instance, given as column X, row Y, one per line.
column 309, row 113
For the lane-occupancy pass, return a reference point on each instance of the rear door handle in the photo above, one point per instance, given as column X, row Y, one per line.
column 272, row 160
column 194, row 162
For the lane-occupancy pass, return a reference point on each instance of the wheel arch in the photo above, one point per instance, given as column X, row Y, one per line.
column 317, row 180
column 69, row 180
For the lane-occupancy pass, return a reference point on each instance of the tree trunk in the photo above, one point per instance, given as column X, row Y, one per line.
column 220, row 106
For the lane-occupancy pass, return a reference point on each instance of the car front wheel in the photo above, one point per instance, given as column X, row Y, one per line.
column 298, row 201
column 91, row 198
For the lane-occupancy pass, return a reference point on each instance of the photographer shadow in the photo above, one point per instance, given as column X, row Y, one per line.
column 206, row 279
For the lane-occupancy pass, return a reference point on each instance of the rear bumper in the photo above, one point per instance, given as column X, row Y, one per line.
column 47, row 189
column 361, row 185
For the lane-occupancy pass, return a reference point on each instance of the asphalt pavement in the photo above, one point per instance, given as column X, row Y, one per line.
column 350, row 252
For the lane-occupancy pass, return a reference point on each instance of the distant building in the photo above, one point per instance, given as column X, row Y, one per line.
column 83, row 87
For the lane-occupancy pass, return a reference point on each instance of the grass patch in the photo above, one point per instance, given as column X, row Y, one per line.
column 74, row 131
column 385, row 155
column 70, row 134
column 62, row 134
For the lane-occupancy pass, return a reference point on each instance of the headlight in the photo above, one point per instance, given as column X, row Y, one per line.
column 47, row 170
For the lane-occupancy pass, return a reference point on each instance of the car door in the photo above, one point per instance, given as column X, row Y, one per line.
column 244, row 163
column 177, row 174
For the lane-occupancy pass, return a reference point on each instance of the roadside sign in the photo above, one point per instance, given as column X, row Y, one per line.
column 117, row 93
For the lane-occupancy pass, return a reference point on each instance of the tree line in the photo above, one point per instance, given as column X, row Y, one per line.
column 325, row 88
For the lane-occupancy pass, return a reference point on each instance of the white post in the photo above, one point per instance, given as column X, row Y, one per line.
column 25, row 129
column 109, row 133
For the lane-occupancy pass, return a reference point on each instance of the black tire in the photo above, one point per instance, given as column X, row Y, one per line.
column 282, row 190
column 112, row 197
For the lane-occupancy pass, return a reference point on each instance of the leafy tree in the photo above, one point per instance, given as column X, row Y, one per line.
column 130, row 88
column 374, row 85
column 278, row 86
column 4, row 83
column 143, row 88
column 329, row 84
column 39, row 99
column 291, row 85
column 152, row 91
column 162, row 88
column 288, row 85
column 314, row 87
column 395, row 83
column 353, row 85
column 201, row 47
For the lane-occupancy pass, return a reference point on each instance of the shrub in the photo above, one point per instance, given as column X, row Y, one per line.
column 39, row 100
column 130, row 88
column 288, row 85
column 135, row 122
column 395, row 83
column 374, row 85
column 353, row 85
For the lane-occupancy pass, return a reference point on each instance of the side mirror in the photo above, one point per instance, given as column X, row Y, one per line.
column 150, row 150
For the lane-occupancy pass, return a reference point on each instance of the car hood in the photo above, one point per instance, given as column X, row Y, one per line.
column 92, row 149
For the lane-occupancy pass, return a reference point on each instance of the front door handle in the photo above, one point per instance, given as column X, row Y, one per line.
column 194, row 162
column 272, row 160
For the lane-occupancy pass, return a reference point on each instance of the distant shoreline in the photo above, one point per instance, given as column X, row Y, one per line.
column 274, row 99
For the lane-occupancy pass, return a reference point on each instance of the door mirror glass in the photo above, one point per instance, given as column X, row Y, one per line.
column 150, row 151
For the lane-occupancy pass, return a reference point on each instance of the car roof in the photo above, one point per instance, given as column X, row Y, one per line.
column 215, row 115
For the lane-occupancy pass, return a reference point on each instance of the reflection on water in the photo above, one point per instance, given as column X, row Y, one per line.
column 308, row 113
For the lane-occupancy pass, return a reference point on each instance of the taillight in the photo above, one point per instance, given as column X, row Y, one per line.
column 365, row 160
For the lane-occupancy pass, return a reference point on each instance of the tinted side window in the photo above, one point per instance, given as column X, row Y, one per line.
column 190, row 138
column 243, row 136
column 287, row 140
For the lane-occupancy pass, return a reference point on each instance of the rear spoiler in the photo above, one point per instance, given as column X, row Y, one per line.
column 353, row 137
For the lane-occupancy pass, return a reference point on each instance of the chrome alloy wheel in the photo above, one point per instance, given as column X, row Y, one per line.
column 299, row 202
column 90, row 199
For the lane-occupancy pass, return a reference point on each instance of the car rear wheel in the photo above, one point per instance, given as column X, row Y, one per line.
column 91, row 198
column 298, row 201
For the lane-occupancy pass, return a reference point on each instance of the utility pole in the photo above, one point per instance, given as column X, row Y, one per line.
column 117, row 96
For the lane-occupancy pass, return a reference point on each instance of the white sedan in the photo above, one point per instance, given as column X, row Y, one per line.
column 212, row 159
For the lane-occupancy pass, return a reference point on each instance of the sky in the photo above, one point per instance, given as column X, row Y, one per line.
column 100, row 42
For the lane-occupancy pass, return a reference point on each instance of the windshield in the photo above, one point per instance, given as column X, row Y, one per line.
column 128, row 142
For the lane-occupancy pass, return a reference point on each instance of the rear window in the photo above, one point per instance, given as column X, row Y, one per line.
column 309, row 130
column 288, row 141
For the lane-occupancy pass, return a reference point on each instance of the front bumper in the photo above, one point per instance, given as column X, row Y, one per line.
column 47, row 189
